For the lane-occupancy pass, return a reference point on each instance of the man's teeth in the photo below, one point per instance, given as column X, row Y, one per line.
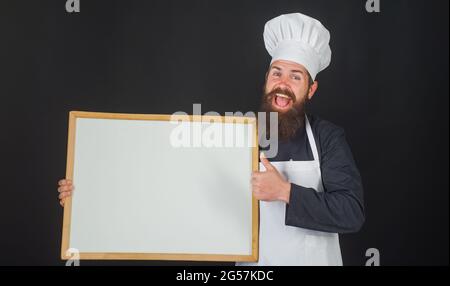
column 283, row 95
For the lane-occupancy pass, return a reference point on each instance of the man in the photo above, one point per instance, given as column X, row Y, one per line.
column 312, row 190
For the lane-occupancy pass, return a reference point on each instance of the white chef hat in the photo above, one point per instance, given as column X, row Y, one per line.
column 300, row 39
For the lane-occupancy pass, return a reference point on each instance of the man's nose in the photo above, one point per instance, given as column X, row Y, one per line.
column 283, row 85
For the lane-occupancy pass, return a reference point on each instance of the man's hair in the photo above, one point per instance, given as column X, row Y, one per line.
column 310, row 80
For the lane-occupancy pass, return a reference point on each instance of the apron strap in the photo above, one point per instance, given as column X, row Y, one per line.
column 312, row 142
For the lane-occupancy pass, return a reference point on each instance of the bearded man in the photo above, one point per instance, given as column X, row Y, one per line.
column 311, row 190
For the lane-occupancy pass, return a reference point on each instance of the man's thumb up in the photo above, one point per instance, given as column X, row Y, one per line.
column 266, row 162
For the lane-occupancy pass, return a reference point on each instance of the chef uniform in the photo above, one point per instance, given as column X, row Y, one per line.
column 326, row 195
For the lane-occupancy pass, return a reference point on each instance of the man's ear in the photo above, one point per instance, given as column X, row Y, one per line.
column 312, row 89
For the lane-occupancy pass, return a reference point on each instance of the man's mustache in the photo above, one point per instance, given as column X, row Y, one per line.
column 283, row 91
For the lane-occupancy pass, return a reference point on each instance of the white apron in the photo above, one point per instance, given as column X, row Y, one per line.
column 280, row 244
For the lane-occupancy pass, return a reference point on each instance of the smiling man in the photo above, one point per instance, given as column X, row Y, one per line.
column 311, row 190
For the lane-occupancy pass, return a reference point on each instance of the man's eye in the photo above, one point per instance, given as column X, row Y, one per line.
column 277, row 74
column 295, row 77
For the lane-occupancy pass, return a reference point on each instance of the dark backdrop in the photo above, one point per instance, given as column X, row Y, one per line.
column 387, row 86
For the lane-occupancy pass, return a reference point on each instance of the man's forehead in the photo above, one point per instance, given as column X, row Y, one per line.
column 287, row 65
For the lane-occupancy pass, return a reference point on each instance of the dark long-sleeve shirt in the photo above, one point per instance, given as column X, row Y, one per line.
column 340, row 207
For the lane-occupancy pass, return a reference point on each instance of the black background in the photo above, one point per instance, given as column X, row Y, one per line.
column 387, row 85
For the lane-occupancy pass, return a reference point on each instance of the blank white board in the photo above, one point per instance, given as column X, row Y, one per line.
column 140, row 194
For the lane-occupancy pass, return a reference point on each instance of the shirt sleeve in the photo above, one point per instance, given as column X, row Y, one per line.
column 339, row 208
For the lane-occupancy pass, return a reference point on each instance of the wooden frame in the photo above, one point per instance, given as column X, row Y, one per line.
column 65, row 253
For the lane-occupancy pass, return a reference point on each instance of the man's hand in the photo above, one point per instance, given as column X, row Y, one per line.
column 270, row 185
column 65, row 189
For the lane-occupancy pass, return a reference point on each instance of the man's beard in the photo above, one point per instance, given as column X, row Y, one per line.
column 289, row 121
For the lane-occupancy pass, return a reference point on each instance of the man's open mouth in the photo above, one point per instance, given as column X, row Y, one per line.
column 282, row 101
